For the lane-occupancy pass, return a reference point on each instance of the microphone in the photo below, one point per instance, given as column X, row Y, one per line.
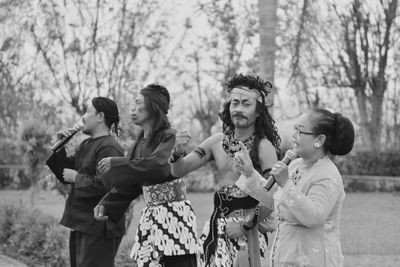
column 63, row 141
column 289, row 156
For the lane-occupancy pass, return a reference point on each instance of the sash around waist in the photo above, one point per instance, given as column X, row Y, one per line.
column 159, row 194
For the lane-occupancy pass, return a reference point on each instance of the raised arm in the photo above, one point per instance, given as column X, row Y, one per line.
column 152, row 169
column 200, row 156
column 116, row 202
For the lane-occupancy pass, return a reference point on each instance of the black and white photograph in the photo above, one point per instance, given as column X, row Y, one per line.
column 199, row 133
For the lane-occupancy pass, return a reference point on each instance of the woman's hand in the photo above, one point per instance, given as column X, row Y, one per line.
column 280, row 173
column 104, row 165
column 242, row 161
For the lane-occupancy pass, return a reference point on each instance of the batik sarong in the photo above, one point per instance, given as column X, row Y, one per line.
column 167, row 225
column 230, row 205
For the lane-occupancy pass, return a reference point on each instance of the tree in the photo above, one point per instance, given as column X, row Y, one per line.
column 210, row 57
column 34, row 139
column 367, row 40
column 267, row 30
column 92, row 48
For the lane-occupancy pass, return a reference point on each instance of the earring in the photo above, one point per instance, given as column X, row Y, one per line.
column 316, row 145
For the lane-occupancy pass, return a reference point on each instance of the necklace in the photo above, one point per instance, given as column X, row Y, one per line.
column 231, row 145
column 300, row 170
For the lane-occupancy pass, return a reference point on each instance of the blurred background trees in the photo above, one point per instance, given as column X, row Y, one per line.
column 57, row 55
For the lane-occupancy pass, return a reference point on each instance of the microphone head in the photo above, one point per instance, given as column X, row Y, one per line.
column 290, row 155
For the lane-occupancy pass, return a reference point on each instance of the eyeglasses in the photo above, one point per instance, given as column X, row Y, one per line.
column 299, row 132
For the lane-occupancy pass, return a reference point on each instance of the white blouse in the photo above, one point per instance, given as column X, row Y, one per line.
column 308, row 211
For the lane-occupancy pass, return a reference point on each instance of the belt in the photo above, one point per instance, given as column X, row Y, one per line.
column 159, row 194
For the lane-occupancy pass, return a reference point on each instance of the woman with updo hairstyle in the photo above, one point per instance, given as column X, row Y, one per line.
column 309, row 193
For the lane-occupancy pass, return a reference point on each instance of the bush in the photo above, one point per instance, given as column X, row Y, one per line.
column 10, row 155
column 32, row 237
column 385, row 163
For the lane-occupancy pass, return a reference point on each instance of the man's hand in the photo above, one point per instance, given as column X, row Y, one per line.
column 182, row 141
column 104, row 165
column 69, row 175
column 64, row 133
column 242, row 161
column 100, row 213
column 234, row 230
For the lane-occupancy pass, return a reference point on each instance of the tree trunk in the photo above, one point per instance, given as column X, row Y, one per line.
column 377, row 99
column 364, row 120
column 267, row 27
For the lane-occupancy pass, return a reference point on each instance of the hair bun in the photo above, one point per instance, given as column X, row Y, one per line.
column 343, row 136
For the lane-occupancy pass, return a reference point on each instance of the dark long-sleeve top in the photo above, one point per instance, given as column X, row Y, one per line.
column 88, row 188
column 146, row 164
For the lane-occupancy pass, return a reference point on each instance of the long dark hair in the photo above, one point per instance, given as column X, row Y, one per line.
column 265, row 124
column 158, row 119
column 264, row 128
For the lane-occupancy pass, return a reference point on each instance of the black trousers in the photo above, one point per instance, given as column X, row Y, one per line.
column 89, row 251
column 189, row 260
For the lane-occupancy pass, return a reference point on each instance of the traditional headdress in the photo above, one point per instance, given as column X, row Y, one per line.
column 158, row 94
column 251, row 86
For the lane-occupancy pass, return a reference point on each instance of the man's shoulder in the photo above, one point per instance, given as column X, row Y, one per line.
column 166, row 134
column 266, row 147
column 110, row 142
column 266, row 144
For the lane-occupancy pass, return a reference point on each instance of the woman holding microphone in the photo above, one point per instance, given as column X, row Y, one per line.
column 310, row 191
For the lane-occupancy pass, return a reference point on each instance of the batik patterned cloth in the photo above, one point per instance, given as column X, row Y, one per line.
column 227, row 250
column 166, row 229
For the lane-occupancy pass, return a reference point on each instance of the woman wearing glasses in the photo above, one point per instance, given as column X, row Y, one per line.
column 310, row 191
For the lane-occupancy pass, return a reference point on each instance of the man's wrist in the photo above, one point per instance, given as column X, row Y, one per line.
column 175, row 156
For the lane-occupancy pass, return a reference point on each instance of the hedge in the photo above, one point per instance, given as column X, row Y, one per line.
column 384, row 163
column 32, row 237
column 37, row 239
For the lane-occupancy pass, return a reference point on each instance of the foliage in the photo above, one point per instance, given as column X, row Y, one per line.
column 212, row 51
column 384, row 163
column 34, row 141
column 346, row 51
column 9, row 177
column 93, row 47
column 32, row 237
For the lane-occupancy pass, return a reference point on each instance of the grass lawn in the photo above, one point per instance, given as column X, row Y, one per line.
column 370, row 222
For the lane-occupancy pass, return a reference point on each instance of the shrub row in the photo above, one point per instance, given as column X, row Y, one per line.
column 385, row 163
column 37, row 239
column 32, row 237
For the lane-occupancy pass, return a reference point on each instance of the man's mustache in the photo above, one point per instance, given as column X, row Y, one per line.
column 239, row 115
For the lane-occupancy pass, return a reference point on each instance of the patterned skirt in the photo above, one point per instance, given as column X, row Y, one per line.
column 166, row 229
column 228, row 251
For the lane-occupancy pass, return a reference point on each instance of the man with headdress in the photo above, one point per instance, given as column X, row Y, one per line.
column 92, row 243
column 235, row 234
column 166, row 235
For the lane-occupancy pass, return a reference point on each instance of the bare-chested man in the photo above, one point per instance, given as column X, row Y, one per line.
column 230, row 235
